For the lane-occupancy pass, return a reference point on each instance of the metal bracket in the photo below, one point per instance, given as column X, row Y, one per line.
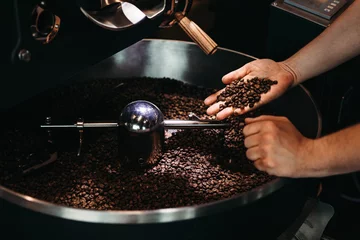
column 45, row 25
column 80, row 125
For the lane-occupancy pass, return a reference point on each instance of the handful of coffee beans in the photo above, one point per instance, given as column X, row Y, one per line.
column 242, row 93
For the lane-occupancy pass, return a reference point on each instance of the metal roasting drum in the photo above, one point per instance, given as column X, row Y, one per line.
column 279, row 200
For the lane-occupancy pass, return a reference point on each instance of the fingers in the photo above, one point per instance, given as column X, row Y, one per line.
column 252, row 129
column 220, row 115
column 252, row 141
column 212, row 98
column 263, row 118
column 260, row 165
column 254, row 153
column 214, row 109
column 267, row 166
column 225, row 113
column 239, row 73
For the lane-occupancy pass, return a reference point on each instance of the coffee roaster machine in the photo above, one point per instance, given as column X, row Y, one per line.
column 57, row 42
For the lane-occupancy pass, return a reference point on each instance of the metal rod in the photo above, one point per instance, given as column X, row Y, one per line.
column 85, row 125
column 101, row 125
column 190, row 124
column 58, row 126
column 169, row 124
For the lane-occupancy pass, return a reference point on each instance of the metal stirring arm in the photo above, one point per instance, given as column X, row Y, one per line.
column 137, row 118
column 193, row 124
column 81, row 125
column 169, row 124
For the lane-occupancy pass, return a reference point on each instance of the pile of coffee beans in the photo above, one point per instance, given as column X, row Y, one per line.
column 197, row 166
column 242, row 93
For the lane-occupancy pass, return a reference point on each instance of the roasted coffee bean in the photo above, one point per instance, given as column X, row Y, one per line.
column 241, row 93
column 197, row 166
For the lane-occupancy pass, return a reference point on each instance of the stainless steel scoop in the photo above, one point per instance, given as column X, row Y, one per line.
column 141, row 132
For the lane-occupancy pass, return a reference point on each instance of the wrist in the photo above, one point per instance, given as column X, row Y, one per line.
column 286, row 66
column 313, row 163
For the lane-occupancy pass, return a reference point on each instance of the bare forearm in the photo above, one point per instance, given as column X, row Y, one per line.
column 334, row 154
column 334, row 46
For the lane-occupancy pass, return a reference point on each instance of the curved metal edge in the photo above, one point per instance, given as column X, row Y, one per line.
column 150, row 216
column 159, row 12
column 107, row 26
column 92, row 18
column 192, row 43
column 319, row 116
column 142, row 216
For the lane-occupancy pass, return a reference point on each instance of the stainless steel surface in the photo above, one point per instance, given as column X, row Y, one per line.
column 140, row 217
column 315, row 224
column 176, row 59
column 168, row 124
column 105, row 3
column 141, row 131
column 123, row 14
column 141, row 134
column 120, row 15
column 132, row 13
column 80, row 125
column 141, row 116
column 112, row 18
column 152, row 12
column 193, row 124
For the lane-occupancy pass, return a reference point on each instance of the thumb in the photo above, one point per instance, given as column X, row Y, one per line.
column 249, row 120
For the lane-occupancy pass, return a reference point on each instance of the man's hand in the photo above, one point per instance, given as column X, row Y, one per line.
column 263, row 68
column 276, row 146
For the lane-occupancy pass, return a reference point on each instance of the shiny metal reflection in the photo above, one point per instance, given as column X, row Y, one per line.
column 111, row 18
column 118, row 15
column 132, row 13
column 141, row 134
